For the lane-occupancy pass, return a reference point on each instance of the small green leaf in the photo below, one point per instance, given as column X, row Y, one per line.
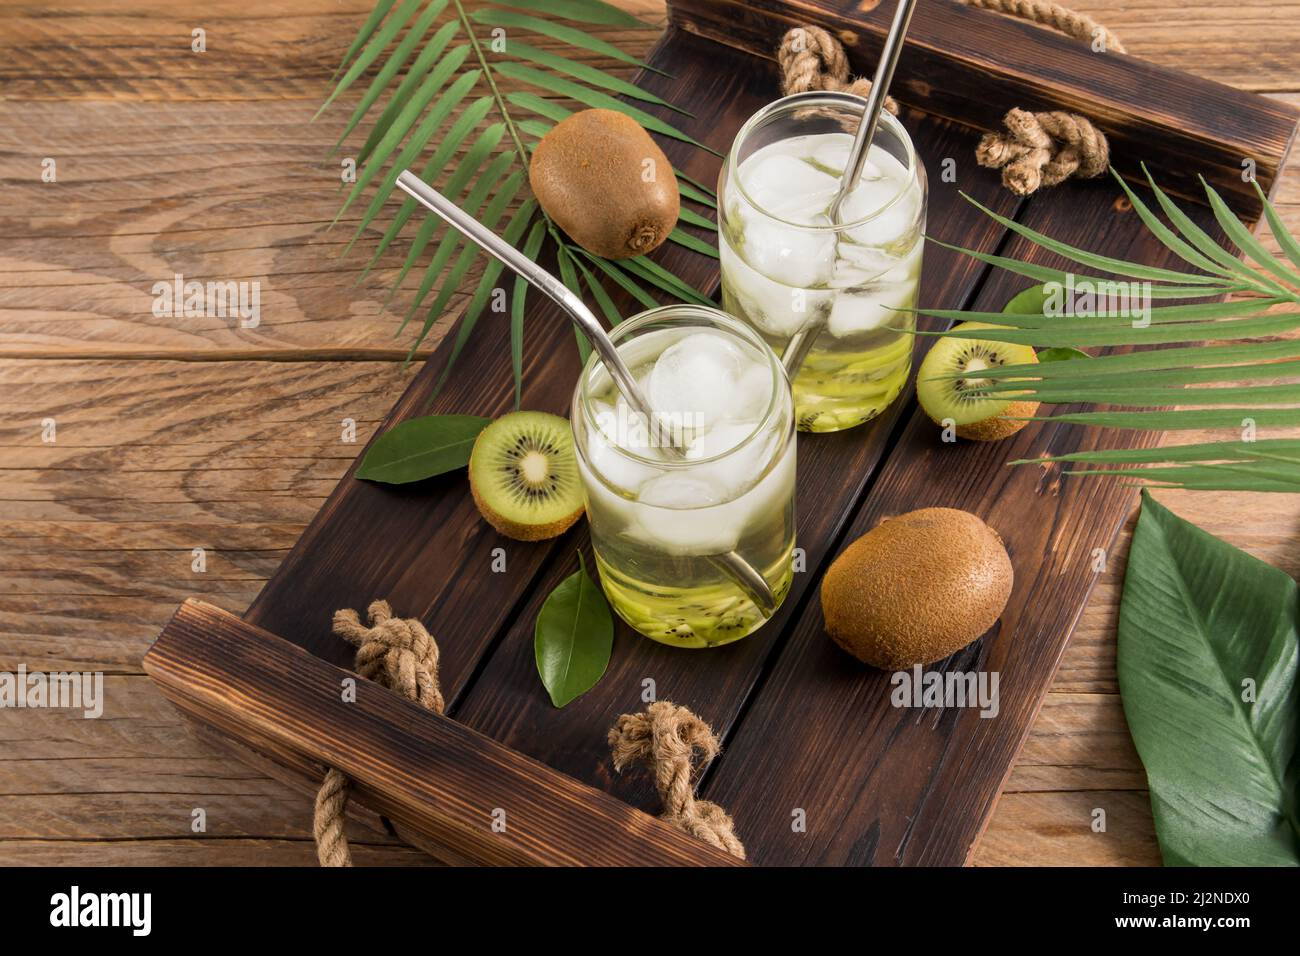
column 1028, row 302
column 421, row 448
column 684, row 238
column 573, row 638
column 1062, row 353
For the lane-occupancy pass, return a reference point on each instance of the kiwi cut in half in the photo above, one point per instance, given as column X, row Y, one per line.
column 978, row 414
column 523, row 474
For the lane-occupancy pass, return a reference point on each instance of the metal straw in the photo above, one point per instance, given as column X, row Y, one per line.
column 796, row 350
column 731, row 563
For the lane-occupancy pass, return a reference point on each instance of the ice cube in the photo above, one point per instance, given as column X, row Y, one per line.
column 892, row 220
column 722, row 437
column 787, row 188
column 617, row 430
column 876, row 306
column 775, row 308
column 753, row 393
column 787, row 254
column 693, row 382
column 681, row 513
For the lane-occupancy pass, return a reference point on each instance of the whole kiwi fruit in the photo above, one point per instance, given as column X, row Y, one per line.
column 916, row 588
column 603, row 180
column 523, row 474
column 978, row 414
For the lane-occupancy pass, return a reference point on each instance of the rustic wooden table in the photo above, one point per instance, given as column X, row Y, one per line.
column 179, row 434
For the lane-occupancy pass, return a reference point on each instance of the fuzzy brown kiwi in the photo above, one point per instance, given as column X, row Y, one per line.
column 916, row 588
column 978, row 415
column 523, row 474
column 590, row 175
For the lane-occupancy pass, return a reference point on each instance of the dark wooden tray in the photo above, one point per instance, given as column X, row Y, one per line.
column 804, row 726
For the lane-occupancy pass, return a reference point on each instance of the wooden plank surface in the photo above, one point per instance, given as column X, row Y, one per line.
column 476, row 800
column 965, row 65
column 96, row 533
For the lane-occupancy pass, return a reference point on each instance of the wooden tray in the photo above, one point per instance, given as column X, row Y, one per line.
column 805, row 727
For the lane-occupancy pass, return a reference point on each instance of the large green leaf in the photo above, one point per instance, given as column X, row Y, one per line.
column 1207, row 672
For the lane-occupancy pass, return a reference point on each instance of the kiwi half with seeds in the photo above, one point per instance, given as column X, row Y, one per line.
column 978, row 414
column 523, row 474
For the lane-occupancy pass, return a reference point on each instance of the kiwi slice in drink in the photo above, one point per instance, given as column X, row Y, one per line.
column 978, row 414
column 523, row 474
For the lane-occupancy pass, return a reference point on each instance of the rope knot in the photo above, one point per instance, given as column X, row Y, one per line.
column 812, row 59
column 665, row 739
column 396, row 652
column 1043, row 149
column 399, row 654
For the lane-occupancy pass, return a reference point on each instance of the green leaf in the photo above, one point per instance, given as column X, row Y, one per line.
column 1201, row 239
column 1279, row 229
column 594, row 98
column 1080, row 335
column 1092, row 259
column 1061, row 354
column 376, row 46
column 606, row 304
column 1039, row 273
column 532, row 245
column 394, row 61
column 421, row 448
column 588, row 11
column 1185, row 418
column 1243, row 239
column 587, row 74
column 569, row 276
column 557, row 31
column 418, row 72
column 467, row 121
column 367, row 30
column 1200, row 451
column 573, row 637
column 683, row 238
column 432, row 120
column 649, row 271
column 487, row 180
column 1199, row 622
column 1167, row 236
column 512, row 234
column 622, row 280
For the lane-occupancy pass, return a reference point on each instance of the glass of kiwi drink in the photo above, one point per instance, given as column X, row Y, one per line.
column 712, row 476
column 786, row 266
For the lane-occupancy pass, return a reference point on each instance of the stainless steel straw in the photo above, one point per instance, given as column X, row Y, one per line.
column 731, row 563
column 800, row 343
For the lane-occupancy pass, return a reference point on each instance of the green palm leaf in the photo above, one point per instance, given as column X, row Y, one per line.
column 1254, row 377
column 556, row 31
column 588, row 11
column 485, row 169
column 376, row 46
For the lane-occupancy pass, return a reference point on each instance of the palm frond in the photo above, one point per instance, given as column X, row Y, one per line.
column 438, row 82
column 1221, row 369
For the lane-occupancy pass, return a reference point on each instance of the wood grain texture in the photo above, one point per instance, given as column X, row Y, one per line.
column 971, row 66
column 957, row 759
column 73, row 592
column 476, row 800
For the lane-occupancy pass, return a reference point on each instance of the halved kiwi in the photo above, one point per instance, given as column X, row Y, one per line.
column 524, row 476
column 977, row 413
